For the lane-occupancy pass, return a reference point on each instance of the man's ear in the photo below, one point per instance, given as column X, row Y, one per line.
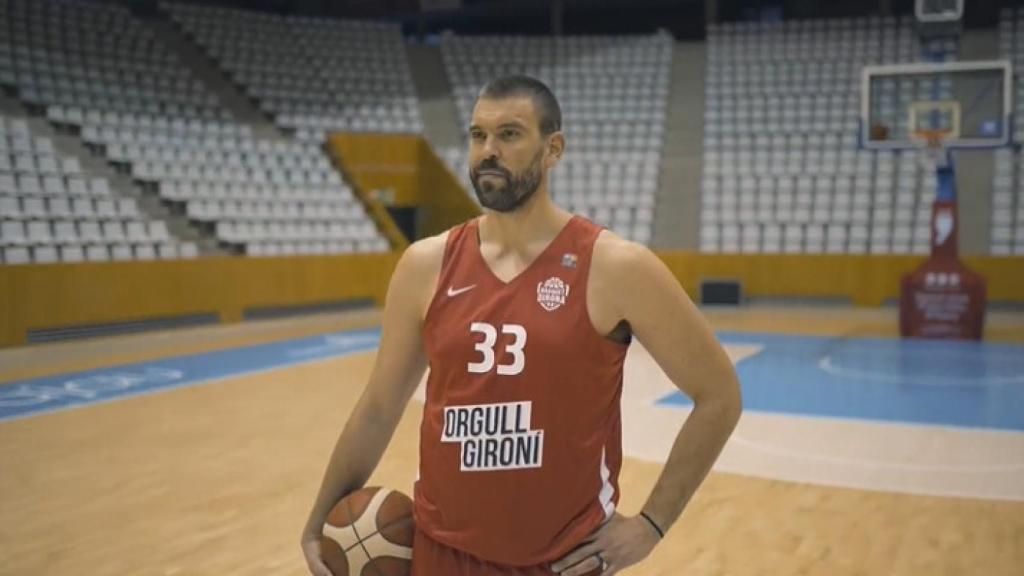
column 556, row 149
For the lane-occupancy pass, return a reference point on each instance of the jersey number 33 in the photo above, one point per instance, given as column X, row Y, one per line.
column 486, row 349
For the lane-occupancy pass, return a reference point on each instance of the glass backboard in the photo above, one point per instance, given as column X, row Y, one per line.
column 973, row 100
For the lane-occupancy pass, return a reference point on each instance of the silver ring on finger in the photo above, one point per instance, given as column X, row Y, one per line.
column 603, row 564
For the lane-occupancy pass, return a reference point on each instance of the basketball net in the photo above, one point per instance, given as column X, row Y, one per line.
column 934, row 153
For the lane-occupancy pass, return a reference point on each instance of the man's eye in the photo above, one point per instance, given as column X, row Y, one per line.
column 509, row 134
column 477, row 135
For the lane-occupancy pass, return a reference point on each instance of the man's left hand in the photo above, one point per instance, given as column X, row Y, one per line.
column 618, row 543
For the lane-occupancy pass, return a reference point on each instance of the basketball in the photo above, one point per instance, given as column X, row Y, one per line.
column 369, row 532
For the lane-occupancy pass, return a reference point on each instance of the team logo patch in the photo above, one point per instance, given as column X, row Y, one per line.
column 551, row 293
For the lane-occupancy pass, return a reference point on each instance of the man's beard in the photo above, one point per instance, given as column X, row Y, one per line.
column 516, row 190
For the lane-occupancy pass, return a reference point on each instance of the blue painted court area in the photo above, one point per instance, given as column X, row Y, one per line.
column 941, row 383
column 967, row 384
column 50, row 394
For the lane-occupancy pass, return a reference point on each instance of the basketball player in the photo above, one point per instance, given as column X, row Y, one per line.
column 524, row 316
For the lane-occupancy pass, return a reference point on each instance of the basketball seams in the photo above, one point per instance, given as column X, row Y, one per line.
column 378, row 533
column 368, row 517
column 352, row 525
column 359, row 540
column 372, row 538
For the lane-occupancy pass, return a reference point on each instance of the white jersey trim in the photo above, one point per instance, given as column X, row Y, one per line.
column 607, row 490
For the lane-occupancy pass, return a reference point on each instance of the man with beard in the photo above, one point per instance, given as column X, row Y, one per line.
column 524, row 316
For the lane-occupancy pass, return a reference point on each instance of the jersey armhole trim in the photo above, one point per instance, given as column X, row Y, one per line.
column 614, row 344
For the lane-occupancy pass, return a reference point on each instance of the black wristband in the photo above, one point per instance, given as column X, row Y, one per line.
column 654, row 525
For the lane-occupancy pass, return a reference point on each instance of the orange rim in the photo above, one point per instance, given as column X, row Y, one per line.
column 933, row 138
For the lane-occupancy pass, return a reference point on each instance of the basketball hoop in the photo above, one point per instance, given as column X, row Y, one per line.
column 933, row 138
column 933, row 145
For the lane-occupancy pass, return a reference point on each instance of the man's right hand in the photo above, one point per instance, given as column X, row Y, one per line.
column 311, row 550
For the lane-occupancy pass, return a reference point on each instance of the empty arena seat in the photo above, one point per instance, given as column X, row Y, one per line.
column 72, row 254
column 167, row 251
column 97, row 253
column 16, row 255
column 12, row 233
column 45, row 254
column 145, row 252
column 121, row 252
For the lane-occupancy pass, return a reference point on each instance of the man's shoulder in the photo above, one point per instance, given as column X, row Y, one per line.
column 417, row 271
column 424, row 256
column 619, row 265
column 615, row 254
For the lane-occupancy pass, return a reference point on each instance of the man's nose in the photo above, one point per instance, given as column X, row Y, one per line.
column 490, row 149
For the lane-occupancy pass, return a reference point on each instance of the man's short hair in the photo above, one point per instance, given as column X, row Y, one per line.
column 549, row 113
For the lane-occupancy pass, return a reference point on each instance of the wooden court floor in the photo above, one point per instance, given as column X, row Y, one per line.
column 218, row 478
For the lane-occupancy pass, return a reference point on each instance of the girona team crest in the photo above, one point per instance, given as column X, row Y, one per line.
column 551, row 293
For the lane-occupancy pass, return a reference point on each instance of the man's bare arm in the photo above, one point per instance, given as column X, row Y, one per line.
column 398, row 369
column 628, row 282
column 680, row 340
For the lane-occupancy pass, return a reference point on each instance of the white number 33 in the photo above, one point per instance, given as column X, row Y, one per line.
column 487, row 349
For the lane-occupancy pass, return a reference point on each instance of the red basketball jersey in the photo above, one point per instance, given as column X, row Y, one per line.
column 520, row 446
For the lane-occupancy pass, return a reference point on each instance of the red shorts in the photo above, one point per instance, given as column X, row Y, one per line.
column 431, row 558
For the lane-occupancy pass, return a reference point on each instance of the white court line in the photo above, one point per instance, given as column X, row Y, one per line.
column 827, row 365
column 876, row 464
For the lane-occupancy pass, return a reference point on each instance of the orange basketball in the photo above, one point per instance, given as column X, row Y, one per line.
column 369, row 533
